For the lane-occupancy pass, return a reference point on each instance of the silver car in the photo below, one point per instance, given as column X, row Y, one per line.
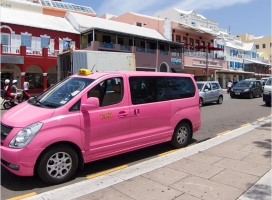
column 210, row 91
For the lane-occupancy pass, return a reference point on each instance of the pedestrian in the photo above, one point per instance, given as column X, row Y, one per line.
column 229, row 86
column 26, row 86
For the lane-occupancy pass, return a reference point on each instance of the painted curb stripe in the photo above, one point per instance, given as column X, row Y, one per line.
column 162, row 154
column 245, row 124
column 223, row 133
column 260, row 119
column 106, row 171
column 23, row 196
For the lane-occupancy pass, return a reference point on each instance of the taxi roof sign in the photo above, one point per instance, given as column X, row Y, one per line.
column 84, row 72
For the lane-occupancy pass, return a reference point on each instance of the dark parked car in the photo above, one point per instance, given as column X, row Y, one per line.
column 247, row 88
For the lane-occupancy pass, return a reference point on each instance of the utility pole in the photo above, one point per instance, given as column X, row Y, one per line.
column 207, row 68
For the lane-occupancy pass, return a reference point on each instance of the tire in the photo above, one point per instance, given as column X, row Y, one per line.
column 261, row 95
column 220, row 100
column 268, row 103
column 56, row 171
column 251, row 95
column 181, row 136
column 7, row 105
column 232, row 96
column 200, row 102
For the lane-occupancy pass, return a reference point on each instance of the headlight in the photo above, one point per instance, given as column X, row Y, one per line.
column 22, row 138
column 246, row 90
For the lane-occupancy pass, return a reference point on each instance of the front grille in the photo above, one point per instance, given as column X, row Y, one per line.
column 5, row 130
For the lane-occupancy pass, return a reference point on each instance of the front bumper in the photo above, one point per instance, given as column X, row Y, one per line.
column 267, row 97
column 19, row 161
column 240, row 94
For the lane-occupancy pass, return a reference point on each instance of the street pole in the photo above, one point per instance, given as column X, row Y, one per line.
column 207, row 69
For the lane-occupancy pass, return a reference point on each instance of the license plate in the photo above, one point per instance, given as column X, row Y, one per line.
column 237, row 93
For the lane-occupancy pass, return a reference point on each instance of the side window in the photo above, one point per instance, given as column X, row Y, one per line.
column 148, row 89
column 208, row 86
column 181, row 87
column 108, row 92
column 215, row 86
column 75, row 107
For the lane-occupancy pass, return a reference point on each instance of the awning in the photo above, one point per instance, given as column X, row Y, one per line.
column 215, row 48
column 248, row 61
column 177, row 70
column 209, row 48
column 233, row 71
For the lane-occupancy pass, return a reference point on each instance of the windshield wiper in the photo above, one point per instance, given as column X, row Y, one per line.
column 50, row 105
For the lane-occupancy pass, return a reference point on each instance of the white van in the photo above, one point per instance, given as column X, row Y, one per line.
column 267, row 91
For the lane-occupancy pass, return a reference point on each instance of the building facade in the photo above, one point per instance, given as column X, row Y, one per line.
column 29, row 49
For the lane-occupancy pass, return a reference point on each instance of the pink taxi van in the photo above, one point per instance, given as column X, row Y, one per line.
column 90, row 116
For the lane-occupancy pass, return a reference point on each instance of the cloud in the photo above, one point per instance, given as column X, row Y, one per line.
column 150, row 7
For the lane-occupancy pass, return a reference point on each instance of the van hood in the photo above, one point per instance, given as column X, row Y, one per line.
column 25, row 114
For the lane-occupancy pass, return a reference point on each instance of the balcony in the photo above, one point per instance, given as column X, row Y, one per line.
column 28, row 51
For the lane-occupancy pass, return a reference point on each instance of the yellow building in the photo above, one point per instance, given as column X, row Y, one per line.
column 263, row 45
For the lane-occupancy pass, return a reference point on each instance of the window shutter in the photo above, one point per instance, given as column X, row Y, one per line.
column 13, row 43
column 33, row 43
column 73, row 44
column 18, row 43
column 60, row 46
column 52, row 48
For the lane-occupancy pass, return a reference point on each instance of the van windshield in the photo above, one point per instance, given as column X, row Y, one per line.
column 61, row 93
column 268, row 82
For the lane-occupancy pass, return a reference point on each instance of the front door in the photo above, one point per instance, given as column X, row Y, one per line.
column 109, row 124
column 208, row 97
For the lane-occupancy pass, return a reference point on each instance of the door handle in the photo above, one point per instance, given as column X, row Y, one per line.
column 136, row 112
column 122, row 114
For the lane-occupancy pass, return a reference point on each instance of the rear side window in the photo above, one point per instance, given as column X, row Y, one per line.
column 156, row 89
column 215, row 86
column 181, row 87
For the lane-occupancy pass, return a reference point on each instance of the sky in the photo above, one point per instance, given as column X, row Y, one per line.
column 240, row 16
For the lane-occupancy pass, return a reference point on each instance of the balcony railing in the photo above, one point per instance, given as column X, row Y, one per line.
column 10, row 49
column 106, row 45
column 163, row 52
column 29, row 51
column 125, row 48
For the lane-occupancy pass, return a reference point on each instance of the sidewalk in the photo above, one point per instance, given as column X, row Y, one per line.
column 235, row 165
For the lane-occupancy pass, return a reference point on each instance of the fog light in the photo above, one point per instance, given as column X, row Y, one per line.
column 13, row 166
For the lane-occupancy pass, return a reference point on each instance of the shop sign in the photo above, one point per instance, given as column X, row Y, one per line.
column 12, row 59
column 5, row 5
column 176, row 61
column 208, row 63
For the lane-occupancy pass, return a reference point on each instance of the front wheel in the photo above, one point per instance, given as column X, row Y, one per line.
column 200, row 102
column 7, row 105
column 251, row 95
column 220, row 100
column 57, row 164
column 181, row 135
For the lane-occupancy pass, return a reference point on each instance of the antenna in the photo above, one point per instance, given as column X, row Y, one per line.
column 229, row 30
column 92, row 68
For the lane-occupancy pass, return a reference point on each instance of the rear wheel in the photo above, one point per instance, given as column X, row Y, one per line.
column 181, row 135
column 220, row 100
column 200, row 102
column 57, row 164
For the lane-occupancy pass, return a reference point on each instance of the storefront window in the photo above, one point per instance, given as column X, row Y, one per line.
column 35, row 80
column 66, row 45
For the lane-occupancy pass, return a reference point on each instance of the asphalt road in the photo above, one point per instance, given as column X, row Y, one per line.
column 216, row 119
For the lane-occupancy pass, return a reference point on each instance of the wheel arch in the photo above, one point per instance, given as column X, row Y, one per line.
column 67, row 143
column 189, row 123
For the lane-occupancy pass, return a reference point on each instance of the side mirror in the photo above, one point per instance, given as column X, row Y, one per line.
column 263, row 83
column 91, row 103
column 206, row 90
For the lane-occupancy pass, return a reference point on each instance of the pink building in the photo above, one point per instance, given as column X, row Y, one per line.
column 196, row 60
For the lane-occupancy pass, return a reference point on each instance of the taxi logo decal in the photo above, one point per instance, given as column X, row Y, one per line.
column 106, row 116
